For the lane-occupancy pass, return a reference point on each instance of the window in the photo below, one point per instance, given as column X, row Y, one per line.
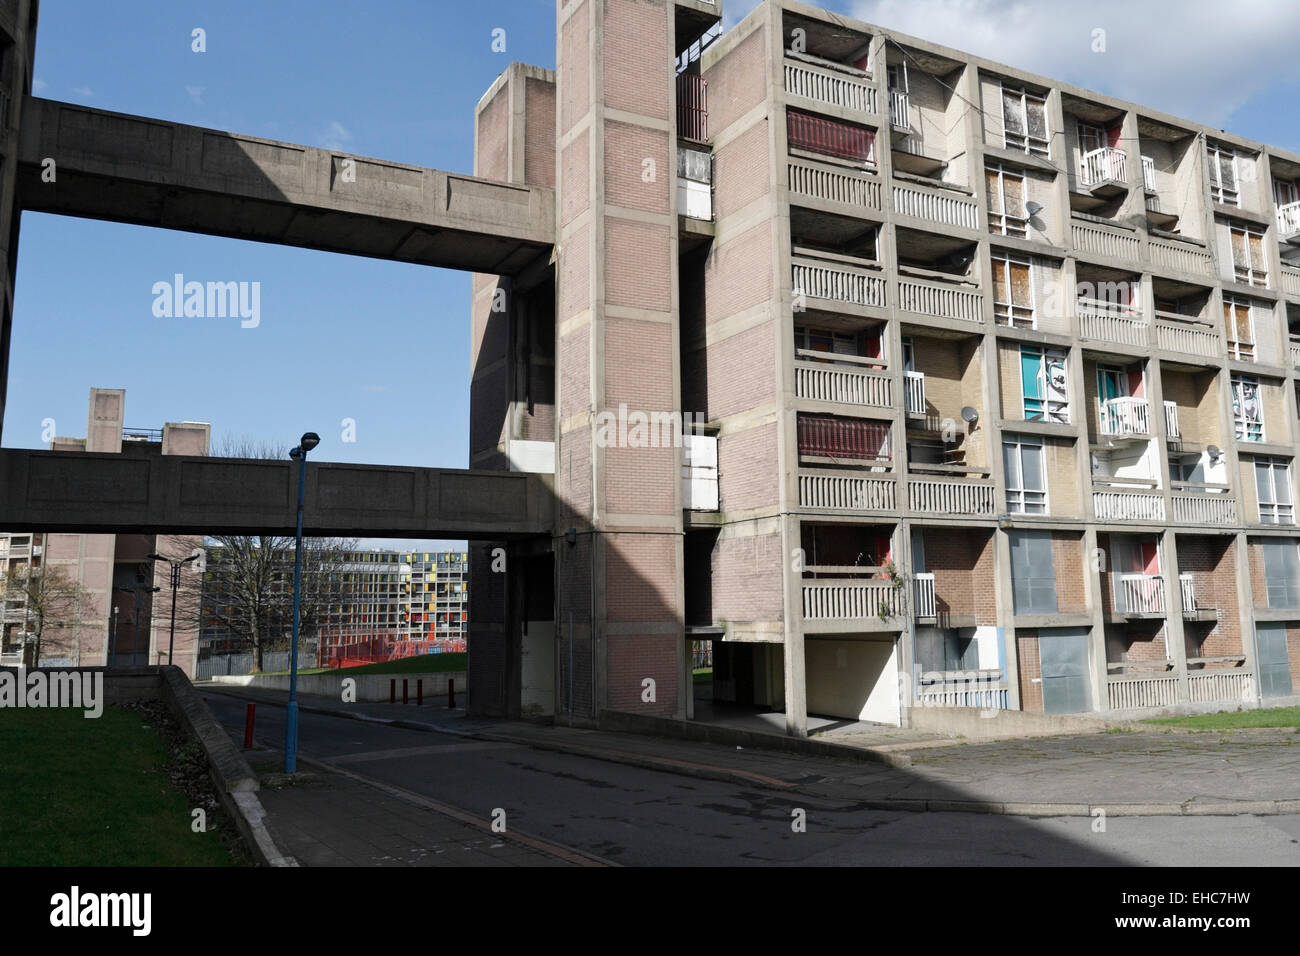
column 1223, row 175
column 1273, row 487
column 1240, row 329
column 1033, row 576
column 1024, row 121
column 1026, row 475
column 1013, row 294
column 810, row 339
column 946, row 649
column 1044, row 381
column 1248, row 262
column 1187, row 468
column 1006, row 196
column 1281, row 571
column 1247, row 409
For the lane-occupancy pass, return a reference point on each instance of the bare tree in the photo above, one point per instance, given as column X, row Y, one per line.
column 246, row 590
column 54, row 604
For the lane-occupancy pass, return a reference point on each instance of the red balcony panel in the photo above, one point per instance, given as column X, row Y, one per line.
column 692, row 112
column 829, row 137
column 823, row 436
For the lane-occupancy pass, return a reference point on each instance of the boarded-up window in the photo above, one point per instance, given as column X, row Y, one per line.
column 1033, row 577
column 1013, row 294
column 1024, row 116
column 1237, row 324
column 1006, row 198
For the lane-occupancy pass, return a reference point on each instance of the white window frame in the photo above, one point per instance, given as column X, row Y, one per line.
column 1242, row 425
column 1254, row 273
column 1018, row 496
column 1241, row 351
column 1006, row 311
column 1271, row 512
column 1005, row 223
column 1024, row 143
column 1226, row 195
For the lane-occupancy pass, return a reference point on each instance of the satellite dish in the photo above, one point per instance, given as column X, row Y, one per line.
column 1033, row 208
column 1215, row 452
column 969, row 415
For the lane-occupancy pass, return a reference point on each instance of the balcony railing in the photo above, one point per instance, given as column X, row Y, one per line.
column 923, row 591
column 1204, row 508
column 1293, row 347
column 835, row 183
column 1148, row 174
column 1180, row 256
column 984, row 689
column 827, row 278
column 1123, row 416
column 1187, row 586
column 1171, row 420
column 1210, row 686
column 1128, row 693
column 1111, row 505
column 846, row 491
column 898, row 110
column 1181, row 333
column 1109, row 323
column 827, row 85
column 1139, row 594
column 951, row 497
column 849, row 600
column 1104, row 240
column 692, row 115
column 1290, row 279
column 914, row 394
column 934, row 205
column 940, row 299
column 1105, row 165
column 848, row 386
column 1288, row 219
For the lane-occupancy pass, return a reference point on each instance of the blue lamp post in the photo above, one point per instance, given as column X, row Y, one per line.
column 309, row 441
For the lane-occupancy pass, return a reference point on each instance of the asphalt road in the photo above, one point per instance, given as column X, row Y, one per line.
column 642, row 817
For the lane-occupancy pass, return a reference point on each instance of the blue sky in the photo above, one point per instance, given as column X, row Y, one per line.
column 387, row 344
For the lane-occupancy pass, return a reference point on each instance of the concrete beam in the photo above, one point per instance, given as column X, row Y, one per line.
column 178, row 494
column 133, row 169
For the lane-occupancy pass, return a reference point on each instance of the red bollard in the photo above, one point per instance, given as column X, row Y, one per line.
column 248, row 726
column 419, row 693
column 451, row 693
column 406, row 697
column 392, row 690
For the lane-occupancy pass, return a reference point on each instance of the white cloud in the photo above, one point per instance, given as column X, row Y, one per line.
column 39, row 85
column 336, row 136
column 1198, row 59
column 83, row 91
column 196, row 93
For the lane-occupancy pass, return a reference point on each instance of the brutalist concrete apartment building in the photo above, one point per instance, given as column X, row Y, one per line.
column 992, row 393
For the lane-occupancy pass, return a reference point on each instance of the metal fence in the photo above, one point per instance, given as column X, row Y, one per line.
column 234, row 664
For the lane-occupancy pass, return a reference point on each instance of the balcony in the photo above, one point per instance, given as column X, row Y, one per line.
column 1105, row 322
column 1130, row 693
column 899, row 110
column 840, row 86
column 854, row 602
column 699, row 473
column 692, row 115
column 1293, row 351
column 846, row 491
column 1188, row 335
column 1171, row 421
column 923, row 596
column 940, row 298
column 984, row 689
column 1104, row 171
column 953, row 496
column 1104, row 240
column 822, row 381
column 1288, row 222
column 1203, row 504
column 1109, row 503
column 935, row 205
column 1290, row 279
column 1211, row 686
column 1139, row 594
column 827, row 275
column 914, row 394
column 1123, row 417
column 842, row 184
column 1181, row 255
column 1187, row 587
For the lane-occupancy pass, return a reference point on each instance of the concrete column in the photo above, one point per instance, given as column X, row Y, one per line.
column 1175, row 641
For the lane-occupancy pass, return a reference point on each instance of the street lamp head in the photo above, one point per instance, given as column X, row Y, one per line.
column 155, row 557
column 309, row 441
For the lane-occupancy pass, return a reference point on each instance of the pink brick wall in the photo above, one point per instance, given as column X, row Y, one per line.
column 539, row 133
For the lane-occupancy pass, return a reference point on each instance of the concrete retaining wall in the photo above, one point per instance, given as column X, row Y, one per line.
column 370, row 687
column 968, row 722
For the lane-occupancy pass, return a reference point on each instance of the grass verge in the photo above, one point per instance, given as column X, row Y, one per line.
column 1235, row 720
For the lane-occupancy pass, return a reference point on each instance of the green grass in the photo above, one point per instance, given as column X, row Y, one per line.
column 703, row 675
column 1266, row 717
column 93, row 792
